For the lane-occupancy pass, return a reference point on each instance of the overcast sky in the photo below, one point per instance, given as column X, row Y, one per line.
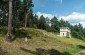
column 70, row 10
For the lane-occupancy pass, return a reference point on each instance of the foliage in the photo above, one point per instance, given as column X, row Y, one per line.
column 23, row 16
column 55, row 24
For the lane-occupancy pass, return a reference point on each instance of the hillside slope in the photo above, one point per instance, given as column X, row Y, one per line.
column 40, row 42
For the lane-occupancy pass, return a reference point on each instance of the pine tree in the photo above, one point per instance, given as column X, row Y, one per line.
column 9, row 34
column 55, row 24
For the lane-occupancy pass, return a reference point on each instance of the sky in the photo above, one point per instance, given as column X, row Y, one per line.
column 70, row 10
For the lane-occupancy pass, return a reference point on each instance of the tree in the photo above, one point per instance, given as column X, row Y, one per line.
column 3, row 11
column 42, row 23
column 35, row 21
column 55, row 24
column 78, row 31
column 27, row 6
column 48, row 26
column 30, row 18
column 14, row 14
column 64, row 23
column 9, row 34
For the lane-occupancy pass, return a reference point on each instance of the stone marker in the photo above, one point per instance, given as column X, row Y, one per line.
column 26, row 39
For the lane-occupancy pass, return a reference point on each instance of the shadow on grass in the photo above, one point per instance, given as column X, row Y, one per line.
column 21, row 34
column 81, row 47
column 40, row 51
column 26, row 50
column 66, row 53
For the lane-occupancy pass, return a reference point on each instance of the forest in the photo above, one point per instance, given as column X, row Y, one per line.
column 17, row 14
column 17, row 21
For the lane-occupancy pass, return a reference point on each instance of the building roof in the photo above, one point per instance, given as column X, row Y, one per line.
column 65, row 28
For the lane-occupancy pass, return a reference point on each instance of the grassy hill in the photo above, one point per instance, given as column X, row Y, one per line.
column 40, row 42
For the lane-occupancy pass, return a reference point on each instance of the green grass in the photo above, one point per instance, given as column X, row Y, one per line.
column 40, row 42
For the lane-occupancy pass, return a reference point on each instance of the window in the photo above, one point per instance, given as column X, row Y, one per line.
column 63, row 34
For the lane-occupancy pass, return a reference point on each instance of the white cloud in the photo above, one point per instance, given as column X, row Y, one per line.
column 50, row 16
column 83, row 23
column 75, row 18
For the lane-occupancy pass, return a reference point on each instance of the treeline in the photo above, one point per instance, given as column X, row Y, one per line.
column 18, row 13
column 53, row 25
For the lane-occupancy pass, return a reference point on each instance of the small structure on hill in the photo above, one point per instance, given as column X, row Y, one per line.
column 65, row 32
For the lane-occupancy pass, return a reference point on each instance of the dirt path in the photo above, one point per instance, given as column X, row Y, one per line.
column 81, row 52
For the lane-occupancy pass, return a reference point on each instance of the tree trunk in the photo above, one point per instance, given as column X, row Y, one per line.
column 26, row 19
column 26, row 13
column 14, row 15
column 9, row 34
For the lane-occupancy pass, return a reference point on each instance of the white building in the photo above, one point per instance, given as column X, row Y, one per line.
column 65, row 32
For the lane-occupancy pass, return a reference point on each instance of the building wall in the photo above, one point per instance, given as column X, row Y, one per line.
column 63, row 34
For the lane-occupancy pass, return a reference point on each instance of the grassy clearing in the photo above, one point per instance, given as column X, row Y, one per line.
column 40, row 42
